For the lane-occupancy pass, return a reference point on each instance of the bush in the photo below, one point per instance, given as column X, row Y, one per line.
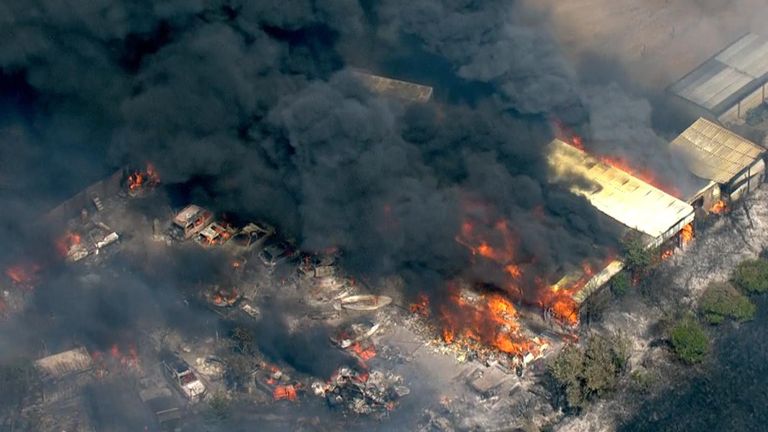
column 689, row 340
column 583, row 374
column 751, row 276
column 620, row 284
column 638, row 258
column 722, row 300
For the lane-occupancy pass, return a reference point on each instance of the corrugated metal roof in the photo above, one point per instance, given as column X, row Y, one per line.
column 713, row 152
column 391, row 87
column 623, row 197
column 720, row 81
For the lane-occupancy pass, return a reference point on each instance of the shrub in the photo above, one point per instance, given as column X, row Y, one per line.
column 585, row 373
column 689, row 340
column 638, row 259
column 620, row 284
column 751, row 276
column 722, row 300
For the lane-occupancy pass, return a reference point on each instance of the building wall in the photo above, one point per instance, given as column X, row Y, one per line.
column 747, row 181
column 706, row 197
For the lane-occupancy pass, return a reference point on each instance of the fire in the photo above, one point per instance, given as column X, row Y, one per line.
column 363, row 351
column 66, row 243
column 116, row 357
column 285, row 392
column 23, row 275
column 490, row 320
column 421, row 307
column 719, row 207
column 138, row 179
column 686, row 234
column 667, row 254
column 643, row 175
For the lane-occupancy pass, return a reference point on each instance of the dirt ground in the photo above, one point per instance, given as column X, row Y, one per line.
column 656, row 42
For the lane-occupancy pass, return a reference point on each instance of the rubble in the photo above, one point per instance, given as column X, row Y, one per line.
column 373, row 393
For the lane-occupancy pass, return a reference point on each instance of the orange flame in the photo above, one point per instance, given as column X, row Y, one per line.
column 644, row 175
column 421, row 307
column 23, row 275
column 667, row 254
column 66, row 243
column 686, row 234
column 138, row 179
column 719, row 207
column 286, row 392
column 491, row 320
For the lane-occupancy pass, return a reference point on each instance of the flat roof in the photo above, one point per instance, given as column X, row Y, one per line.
column 64, row 363
column 721, row 81
column 392, row 87
column 713, row 152
column 625, row 198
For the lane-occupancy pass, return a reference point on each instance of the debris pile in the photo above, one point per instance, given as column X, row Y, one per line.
column 361, row 392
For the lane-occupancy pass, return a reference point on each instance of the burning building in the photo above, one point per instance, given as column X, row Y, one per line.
column 658, row 217
column 732, row 164
column 407, row 91
column 727, row 86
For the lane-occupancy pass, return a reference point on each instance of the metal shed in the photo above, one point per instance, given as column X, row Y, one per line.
column 733, row 164
column 728, row 85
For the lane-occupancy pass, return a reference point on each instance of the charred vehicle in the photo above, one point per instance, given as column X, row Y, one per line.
column 215, row 234
column 183, row 377
column 251, row 237
column 276, row 252
column 190, row 221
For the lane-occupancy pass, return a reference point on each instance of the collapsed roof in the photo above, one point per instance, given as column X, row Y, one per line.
column 68, row 362
column 713, row 152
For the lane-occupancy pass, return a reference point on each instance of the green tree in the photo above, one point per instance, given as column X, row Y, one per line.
column 721, row 300
column 583, row 374
column 620, row 284
column 689, row 340
column 751, row 276
column 638, row 258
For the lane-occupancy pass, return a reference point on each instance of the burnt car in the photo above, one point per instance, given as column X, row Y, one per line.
column 277, row 251
column 190, row 221
column 251, row 237
column 215, row 234
column 183, row 377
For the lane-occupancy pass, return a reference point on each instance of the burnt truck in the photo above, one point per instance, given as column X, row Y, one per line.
column 191, row 220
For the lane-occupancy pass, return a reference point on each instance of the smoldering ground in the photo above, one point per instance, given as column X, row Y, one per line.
column 250, row 104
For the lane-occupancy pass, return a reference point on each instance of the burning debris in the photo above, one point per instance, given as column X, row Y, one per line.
column 371, row 393
column 215, row 234
column 190, row 221
column 24, row 275
column 139, row 182
column 220, row 297
column 116, row 359
column 719, row 207
column 73, row 247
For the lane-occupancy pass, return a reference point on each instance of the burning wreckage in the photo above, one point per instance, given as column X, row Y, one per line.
column 474, row 324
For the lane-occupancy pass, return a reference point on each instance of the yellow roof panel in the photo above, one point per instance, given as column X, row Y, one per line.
column 713, row 152
column 391, row 87
column 616, row 193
